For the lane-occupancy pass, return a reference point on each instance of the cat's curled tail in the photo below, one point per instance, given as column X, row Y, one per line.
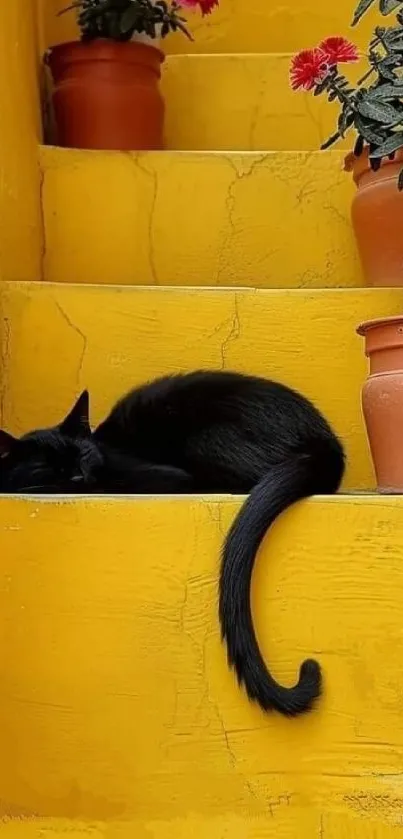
column 319, row 471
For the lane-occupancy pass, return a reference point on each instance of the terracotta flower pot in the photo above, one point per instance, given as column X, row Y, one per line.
column 382, row 399
column 106, row 95
column 377, row 216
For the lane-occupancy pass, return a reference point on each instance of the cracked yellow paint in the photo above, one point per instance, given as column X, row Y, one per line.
column 20, row 214
column 119, row 718
column 279, row 26
column 202, row 111
column 118, row 709
column 247, row 219
column 62, row 338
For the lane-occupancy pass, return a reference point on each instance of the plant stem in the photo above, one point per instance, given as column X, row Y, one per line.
column 333, row 87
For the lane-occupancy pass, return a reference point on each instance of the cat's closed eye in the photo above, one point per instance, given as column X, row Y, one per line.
column 77, row 478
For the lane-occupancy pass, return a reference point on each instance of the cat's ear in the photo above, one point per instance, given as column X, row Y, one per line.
column 77, row 422
column 7, row 443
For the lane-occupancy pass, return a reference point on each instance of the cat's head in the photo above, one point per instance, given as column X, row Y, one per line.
column 62, row 459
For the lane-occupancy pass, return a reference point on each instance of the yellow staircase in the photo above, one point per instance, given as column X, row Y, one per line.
column 118, row 716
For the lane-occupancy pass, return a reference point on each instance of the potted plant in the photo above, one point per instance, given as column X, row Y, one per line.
column 373, row 109
column 382, row 400
column 106, row 86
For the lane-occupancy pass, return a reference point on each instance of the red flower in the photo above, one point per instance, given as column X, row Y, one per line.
column 339, row 50
column 308, row 68
column 206, row 6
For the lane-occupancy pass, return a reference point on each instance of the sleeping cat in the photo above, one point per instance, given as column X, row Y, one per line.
column 207, row 432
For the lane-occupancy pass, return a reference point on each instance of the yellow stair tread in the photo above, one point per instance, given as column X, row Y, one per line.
column 59, row 339
column 117, row 703
column 296, row 823
column 267, row 219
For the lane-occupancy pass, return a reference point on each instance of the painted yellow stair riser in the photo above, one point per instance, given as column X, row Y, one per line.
column 268, row 219
column 258, row 27
column 59, row 339
column 117, row 703
column 203, row 111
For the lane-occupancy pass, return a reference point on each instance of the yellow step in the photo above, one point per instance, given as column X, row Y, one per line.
column 243, row 102
column 297, row 824
column 117, row 705
column 258, row 27
column 164, row 218
column 60, row 339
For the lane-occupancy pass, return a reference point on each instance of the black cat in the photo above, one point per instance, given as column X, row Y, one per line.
column 206, row 432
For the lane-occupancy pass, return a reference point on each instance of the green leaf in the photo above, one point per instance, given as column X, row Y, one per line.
column 330, row 141
column 345, row 121
column 149, row 28
column 342, row 123
column 320, row 87
column 392, row 32
column 75, row 5
column 388, row 6
column 390, row 145
column 129, row 19
column 359, row 146
column 395, row 45
column 379, row 111
column 384, row 70
column 362, row 7
column 367, row 131
column 386, row 92
column 181, row 26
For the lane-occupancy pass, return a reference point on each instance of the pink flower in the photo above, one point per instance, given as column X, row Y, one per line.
column 339, row 50
column 308, row 68
column 206, row 6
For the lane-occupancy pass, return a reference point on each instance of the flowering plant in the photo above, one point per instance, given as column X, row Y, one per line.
column 120, row 19
column 385, row 7
column 374, row 110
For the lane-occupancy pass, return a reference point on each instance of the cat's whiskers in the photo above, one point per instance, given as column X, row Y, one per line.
column 39, row 488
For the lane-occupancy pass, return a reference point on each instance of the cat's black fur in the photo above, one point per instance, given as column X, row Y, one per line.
column 201, row 432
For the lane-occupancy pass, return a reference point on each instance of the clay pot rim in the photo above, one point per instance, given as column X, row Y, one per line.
column 108, row 44
column 367, row 325
column 359, row 165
